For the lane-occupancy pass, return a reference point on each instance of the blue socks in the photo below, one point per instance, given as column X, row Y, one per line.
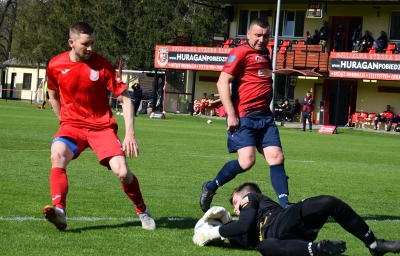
column 226, row 174
column 279, row 183
column 232, row 168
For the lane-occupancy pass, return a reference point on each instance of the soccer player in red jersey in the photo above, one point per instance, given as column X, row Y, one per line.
column 78, row 82
column 250, row 123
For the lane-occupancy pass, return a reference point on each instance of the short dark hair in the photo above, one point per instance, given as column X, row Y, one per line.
column 81, row 28
column 261, row 22
column 248, row 187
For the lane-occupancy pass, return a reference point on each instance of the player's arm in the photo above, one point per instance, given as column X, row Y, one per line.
column 224, row 92
column 247, row 221
column 129, row 144
column 55, row 102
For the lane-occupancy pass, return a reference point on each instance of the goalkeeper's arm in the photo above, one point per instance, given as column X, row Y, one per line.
column 247, row 223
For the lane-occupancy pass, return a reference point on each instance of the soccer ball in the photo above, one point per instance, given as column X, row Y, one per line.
column 209, row 224
column 209, row 121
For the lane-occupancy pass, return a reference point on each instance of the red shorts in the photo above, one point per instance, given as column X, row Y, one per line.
column 105, row 143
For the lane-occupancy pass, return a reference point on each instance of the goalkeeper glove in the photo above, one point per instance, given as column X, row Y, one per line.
column 204, row 236
column 217, row 212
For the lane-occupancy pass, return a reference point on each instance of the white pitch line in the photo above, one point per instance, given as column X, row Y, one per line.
column 93, row 219
column 21, row 219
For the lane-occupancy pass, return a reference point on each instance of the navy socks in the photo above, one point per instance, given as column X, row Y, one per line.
column 227, row 173
column 279, row 183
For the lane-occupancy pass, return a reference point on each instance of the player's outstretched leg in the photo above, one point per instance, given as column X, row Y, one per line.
column 56, row 216
column 380, row 247
column 147, row 220
column 206, row 197
column 327, row 247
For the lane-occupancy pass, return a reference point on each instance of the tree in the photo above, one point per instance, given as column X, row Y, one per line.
column 124, row 29
column 7, row 19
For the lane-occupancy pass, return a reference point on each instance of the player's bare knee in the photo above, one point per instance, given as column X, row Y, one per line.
column 247, row 163
column 57, row 159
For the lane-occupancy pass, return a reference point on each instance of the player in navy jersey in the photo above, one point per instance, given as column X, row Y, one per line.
column 250, row 124
column 277, row 231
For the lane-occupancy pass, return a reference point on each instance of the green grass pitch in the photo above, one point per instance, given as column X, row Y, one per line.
column 176, row 156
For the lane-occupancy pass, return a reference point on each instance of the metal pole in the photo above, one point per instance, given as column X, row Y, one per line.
column 155, row 90
column 337, row 102
column 276, row 35
column 193, row 91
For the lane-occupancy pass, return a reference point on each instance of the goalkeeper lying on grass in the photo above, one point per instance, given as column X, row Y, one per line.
column 289, row 231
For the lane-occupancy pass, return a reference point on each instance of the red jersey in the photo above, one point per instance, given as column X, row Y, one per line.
column 83, row 88
column 252, row 86
column 388, row 114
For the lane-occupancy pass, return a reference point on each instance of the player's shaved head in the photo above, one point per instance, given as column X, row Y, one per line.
column 80, row 28
column 245, row 188
column 261, row 22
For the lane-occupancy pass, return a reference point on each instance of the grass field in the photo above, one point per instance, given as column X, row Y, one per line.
column 176, row 156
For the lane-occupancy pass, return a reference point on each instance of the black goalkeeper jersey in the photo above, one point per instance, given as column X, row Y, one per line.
column 256, row 210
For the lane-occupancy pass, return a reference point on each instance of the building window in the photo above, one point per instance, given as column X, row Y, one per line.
column 394, row 26
column 26, row 84
column 176, row 81
column 285, row 86
column 246, row 16
column 291, row 23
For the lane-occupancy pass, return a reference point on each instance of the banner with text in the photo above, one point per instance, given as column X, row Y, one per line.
column 190, row 57
column 365, row 65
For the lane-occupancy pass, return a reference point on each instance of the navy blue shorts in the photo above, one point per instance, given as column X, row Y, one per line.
column 257, row 132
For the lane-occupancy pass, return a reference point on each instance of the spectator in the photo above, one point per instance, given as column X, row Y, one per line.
column 295, row 109
column 381, row 42
column 137, row 96
column 307, row 109
column 203, row 104
column 356, row 34
column 385, row 116
column 358, row 47
column 278, row 111
column 46, row 97
column 395, row 119
column 214, row 105
column 324, row 34
column 340, row 38
column 314, row 39
column 196, row 107
column 367, row 40
column 286, row 108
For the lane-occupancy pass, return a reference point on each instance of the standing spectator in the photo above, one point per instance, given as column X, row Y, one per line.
column 356, row 34
column 324, row 34
column 340, row 38
column 137, row 96
column 381, row 42
column 308, row 103
column 45, row 96
column 385, row 116
column 367, row 40
column 395, row 119
column 250, row 124
column 79, row 81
